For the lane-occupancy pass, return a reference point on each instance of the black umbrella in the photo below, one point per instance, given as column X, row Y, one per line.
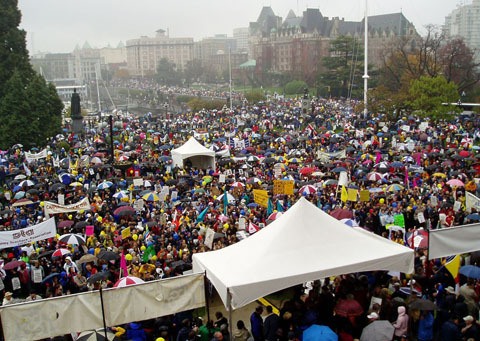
column 108, row 255
column 56, row 186
column 98, row 277
column 80, row 225
column 50, row 277
column 422, row 304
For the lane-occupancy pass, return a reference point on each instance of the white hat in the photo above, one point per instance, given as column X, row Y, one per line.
column 450, row 290
column 468, row 318
column 373, row 316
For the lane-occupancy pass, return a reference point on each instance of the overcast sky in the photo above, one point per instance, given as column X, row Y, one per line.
column 59, row 25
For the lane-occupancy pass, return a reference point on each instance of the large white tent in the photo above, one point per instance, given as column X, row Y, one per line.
column 199, row 156
column 303, row 244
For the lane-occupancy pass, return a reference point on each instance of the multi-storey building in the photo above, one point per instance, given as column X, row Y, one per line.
column 297, row 44
column 464, row 22
column 144, row 53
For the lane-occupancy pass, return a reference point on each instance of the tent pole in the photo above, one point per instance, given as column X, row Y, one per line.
column 229, row 299
column 103, row 313
column 205, row 291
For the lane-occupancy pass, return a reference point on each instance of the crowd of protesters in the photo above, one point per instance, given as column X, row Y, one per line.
column 407, row 167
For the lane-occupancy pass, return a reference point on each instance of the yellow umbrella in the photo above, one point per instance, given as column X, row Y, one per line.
column 440, row 175
column 150, row 197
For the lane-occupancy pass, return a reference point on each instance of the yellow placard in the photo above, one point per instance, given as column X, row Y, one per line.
column 283, row 187
column 260, row 197
column 352, row 194
column 364, row 195
column 126, row 233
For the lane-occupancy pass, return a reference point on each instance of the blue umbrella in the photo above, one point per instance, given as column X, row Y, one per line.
column 473, row 216
column 50, row 277
column 105, row 185
column 19, row 195
column 470, row 271
column 319, row 333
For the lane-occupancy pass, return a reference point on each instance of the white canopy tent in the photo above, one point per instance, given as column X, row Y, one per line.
column 199, row 156
column 304, row 244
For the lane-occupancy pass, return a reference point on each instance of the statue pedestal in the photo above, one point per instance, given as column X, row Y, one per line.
column 77, row 125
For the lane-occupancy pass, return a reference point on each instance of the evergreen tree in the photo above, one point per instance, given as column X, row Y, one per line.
column 30, row 109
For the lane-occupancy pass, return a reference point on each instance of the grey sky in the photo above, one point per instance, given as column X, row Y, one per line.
column 59, row 25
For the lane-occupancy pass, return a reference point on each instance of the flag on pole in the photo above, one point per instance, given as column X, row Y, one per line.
column 344, row 194
column 269, row 207
column 123, row 266
column 279, row 207
column 452, row 264
column 202, row 215
column 225, row 202
column 406, row 177
column 27, row 170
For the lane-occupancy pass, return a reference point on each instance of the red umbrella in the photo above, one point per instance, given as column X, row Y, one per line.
column 348, row 308
column 464, row 153
column 65, row 223
column 274, row 215
column 13, row 264
column 305, row 171
column 124, row 210
column 126, row 281
column 341, row 213
column 61, row 252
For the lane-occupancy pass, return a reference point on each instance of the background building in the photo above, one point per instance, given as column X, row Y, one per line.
column 144, row 53
column 464, row 22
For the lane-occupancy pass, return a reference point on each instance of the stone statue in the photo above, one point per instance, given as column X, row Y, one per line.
column 75, row 105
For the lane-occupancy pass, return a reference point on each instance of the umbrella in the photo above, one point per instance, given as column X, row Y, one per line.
column 274, row 215
column 56, row 186
column 379, row 330
column 124, row 210
column 105, row 185
column 237, row 184
column 108, row 255
column 253, row 180
column 394, row 188
column 339, row 169
column 470, row 271
column 126, row 281
column 341, row 213
column 72, row 239
column 151, row 196
column 87, row 258
column 308, row 189
column 120, row 195
column 65, row 223
column 473, row 216
column 319, row 333
column 422, row 304
column 98, row 277
column 19, row 195
column 26, row 183
column 230, row 198
column 80, row 225
column 95, row 335
column 13, row 264
column 349, row 222
column 348, row 308
column 22, row 202
column 60, row 252
column 439, row 175
column 374, row 176
column 50, row 277
column 455, row 183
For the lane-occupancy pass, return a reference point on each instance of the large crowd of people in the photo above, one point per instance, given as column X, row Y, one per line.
column 413, row 168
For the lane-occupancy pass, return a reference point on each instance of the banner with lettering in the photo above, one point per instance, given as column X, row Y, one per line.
column 44, row 230
column 283, row 187
column 35, row 156
column 54, row 208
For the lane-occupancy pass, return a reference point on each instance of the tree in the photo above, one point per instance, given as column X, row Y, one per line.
column 167, row 73
column 295, row 87
column 459, row 65
column 344, row 67
column 13, row 50
column 193, row 71
column 428, row 93
column 30, row 109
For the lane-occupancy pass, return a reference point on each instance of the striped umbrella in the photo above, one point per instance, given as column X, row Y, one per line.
column 374, row 176
column 72, row 239
column 126, row 281
column 152, row 196
column 308, row 189
column 60, row 252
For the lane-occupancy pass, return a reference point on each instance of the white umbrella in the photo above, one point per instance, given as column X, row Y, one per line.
column 230, row 198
